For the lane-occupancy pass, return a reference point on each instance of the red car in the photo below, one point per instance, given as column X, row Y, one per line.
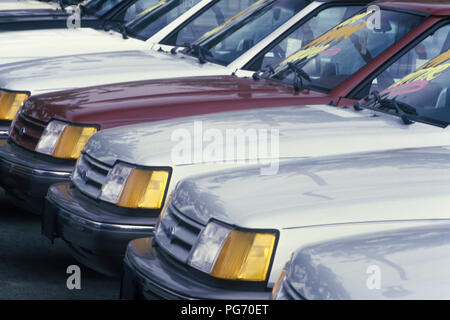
column 338, row 68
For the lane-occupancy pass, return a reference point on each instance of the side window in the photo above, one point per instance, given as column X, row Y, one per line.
column 316, row 26
column 210, row 19
column 138, row 7
column 432, row 46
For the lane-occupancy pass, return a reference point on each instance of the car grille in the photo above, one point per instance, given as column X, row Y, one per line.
column 177, row 234
column 27, row 131
column 90, row 175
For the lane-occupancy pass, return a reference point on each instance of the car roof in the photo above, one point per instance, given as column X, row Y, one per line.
column 432, row 7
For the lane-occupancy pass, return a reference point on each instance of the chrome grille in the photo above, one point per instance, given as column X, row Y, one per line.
column 177, row 234
column 90, row 175
column 27, row 131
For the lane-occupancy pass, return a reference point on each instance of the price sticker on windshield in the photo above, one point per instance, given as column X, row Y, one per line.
column 419, row 79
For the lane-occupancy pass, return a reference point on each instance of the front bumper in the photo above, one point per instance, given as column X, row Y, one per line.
column 27, row 176
column 149, row 275
column 97, row 237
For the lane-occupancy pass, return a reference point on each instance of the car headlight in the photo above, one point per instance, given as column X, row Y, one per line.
column 226, row 253
column 130, row 187
column 10, row 103
column 64, row 141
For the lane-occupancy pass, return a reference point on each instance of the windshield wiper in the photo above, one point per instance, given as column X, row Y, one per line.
column 258, row 74
column 382, row 103
column 123, row 31
column 299, row 75
column 199, row 51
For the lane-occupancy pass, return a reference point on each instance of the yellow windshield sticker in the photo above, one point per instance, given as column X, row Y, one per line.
column 419, row 79
column 431, row 70
column 226, row 23
column 323, row 43
column 438, row 60
column 153, row 8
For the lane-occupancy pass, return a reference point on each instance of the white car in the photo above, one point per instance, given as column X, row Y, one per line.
column 165, row 16
column 33, row 44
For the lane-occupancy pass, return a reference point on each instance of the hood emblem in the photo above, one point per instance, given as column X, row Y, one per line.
column 22, row 131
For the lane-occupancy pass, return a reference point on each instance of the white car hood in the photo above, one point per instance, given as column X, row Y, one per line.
column 304, row 131
column 75, row 71
column 36, row 44
column 29, row 4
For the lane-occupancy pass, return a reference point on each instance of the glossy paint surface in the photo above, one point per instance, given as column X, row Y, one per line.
column 35, row 44
column 119, row 104
column 310, row 201
column 412, row 264
column 68, row 72
column 27, row 5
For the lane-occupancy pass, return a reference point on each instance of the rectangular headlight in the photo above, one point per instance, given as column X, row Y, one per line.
column 208, row 247
column 115, row 182
column 231, row 254
column 49, row 139
column 64, row 141
column 130, row 187
column 10, row 103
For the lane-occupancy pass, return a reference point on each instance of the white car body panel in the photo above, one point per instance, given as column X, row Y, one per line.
column 26, row 4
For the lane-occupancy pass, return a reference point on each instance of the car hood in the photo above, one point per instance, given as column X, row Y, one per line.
column 411, row 264
column 134, row 102
column 75, row 71
column 304, row 131
column 36, row 44
column 26, row 5
column 377, row 187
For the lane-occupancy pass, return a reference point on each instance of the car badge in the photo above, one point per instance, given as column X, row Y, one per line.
column 22, row 132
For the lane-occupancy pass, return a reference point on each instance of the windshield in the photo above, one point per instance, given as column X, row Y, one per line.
column 336, row 55
column 98, row 7
column 137, row 8
column 155, row 18
column 233, row 38
column 427, row 90
column 211, row 18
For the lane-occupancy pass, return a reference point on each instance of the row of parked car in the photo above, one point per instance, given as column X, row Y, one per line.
column 236, row 149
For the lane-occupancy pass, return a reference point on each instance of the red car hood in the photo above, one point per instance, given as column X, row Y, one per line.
column 120, row 104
